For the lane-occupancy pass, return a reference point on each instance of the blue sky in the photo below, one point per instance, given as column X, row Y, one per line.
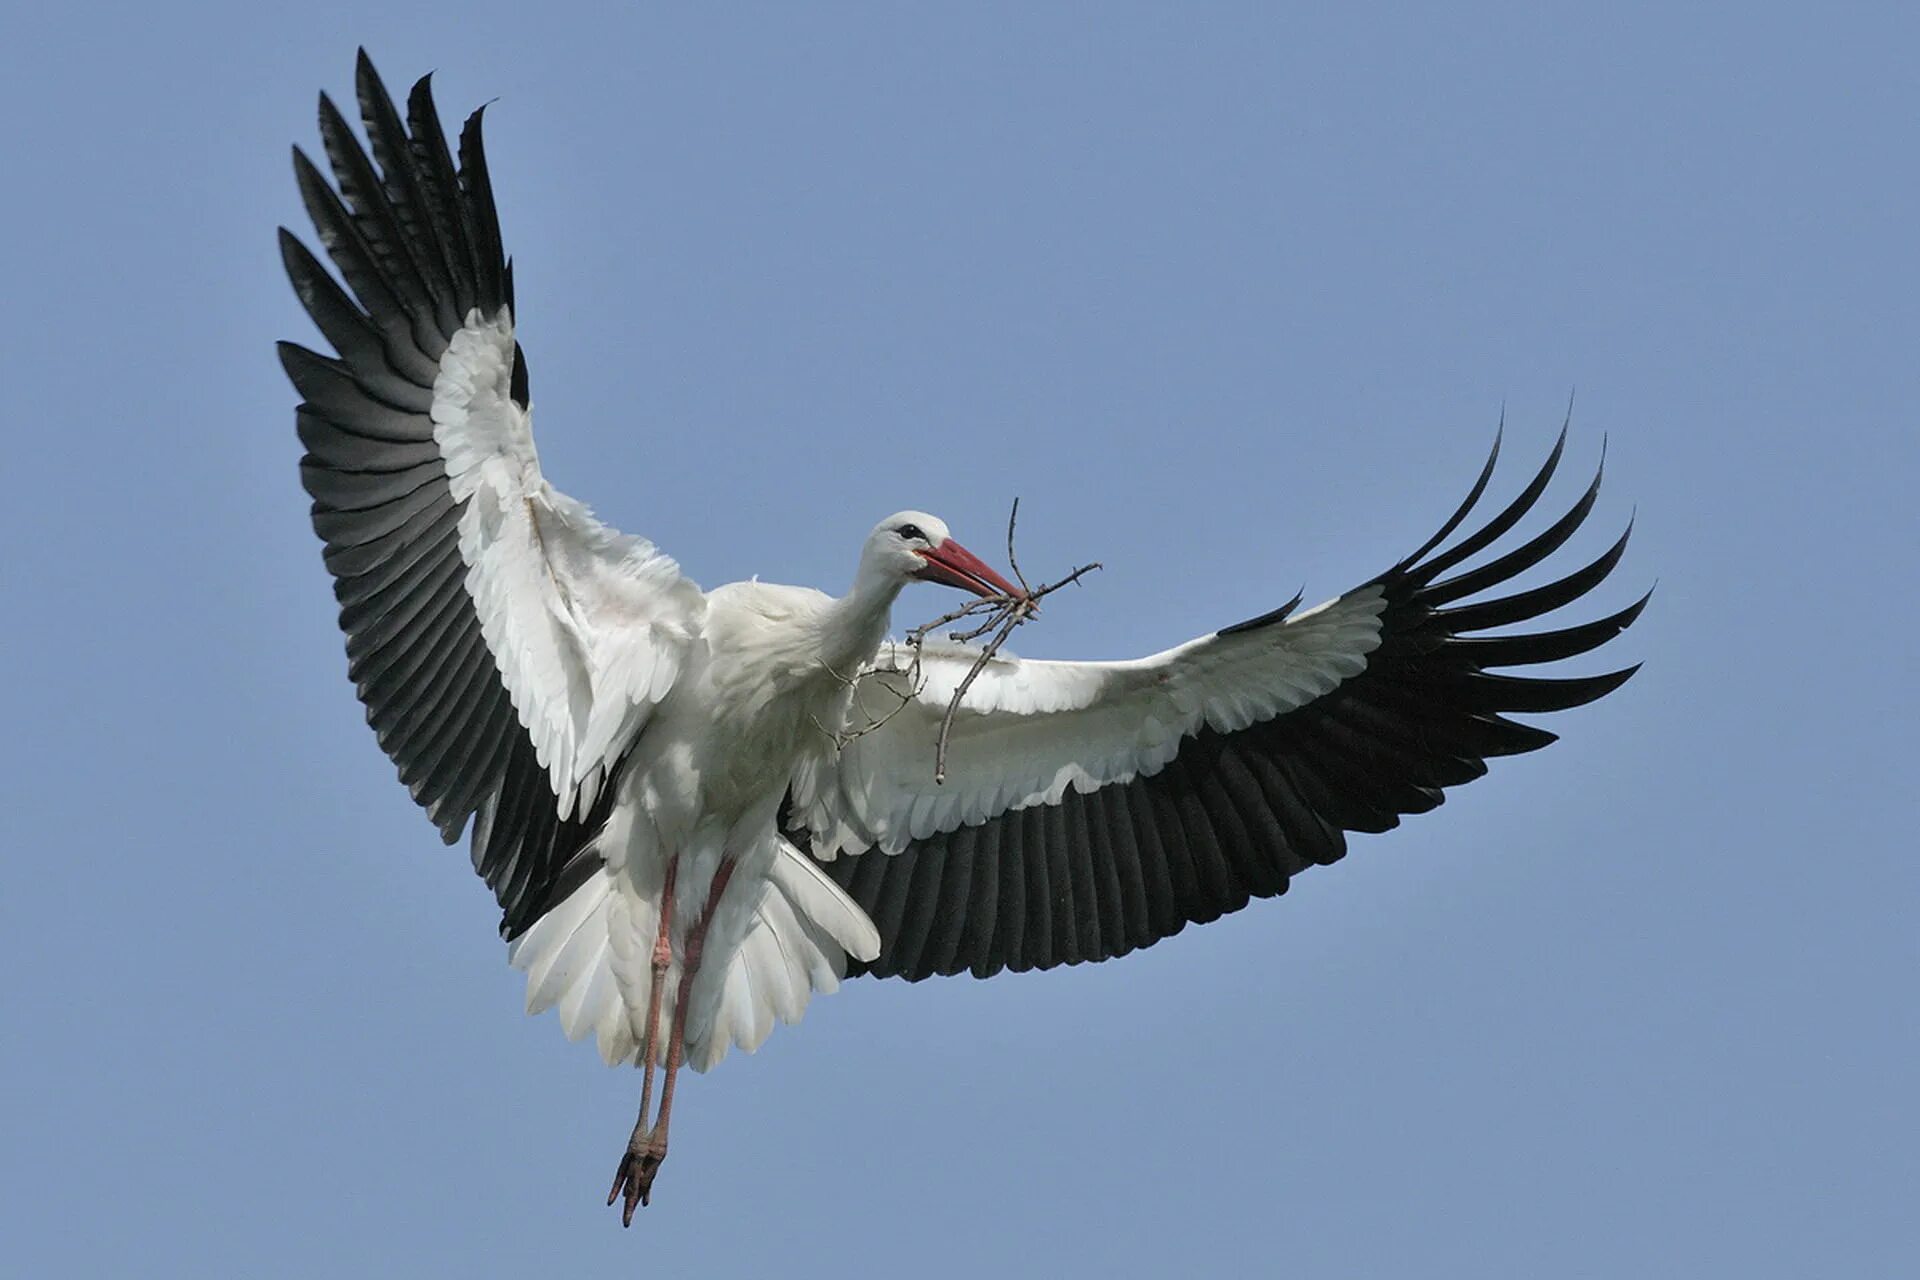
column 1232, row 297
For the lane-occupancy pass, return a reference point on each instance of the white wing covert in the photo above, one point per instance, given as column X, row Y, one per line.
column 1030, row 730
column 587, row 625
column 1092, row 808
column 507, row 645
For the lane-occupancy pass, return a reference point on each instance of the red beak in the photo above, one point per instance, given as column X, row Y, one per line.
column 953, row 565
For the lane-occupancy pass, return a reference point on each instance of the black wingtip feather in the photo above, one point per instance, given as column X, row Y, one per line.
column 478, row 187
column 1473, row 497
column 1549, row 646
column 1494, row 528
column 404, row 185
column 1486, row 691
column 1522, row 557
column 1267, row 619
column 1526, row 605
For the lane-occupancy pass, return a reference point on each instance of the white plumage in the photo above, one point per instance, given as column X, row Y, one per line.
column 663, row 792
column 588, row 626
column 1029, row 730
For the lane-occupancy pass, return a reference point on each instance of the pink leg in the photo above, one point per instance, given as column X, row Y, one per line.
column 647, row 1150
column 662, row 958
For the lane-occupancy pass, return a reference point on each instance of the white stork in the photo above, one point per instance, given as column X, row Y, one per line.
column 680, row 853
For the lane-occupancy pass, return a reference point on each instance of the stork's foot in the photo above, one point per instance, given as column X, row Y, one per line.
column 633, row 1180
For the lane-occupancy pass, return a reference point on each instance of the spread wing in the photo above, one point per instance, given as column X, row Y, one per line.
column 1094, row 807
column 508, row 646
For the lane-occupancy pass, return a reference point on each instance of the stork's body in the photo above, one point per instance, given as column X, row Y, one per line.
column 692, row 855
column 685, row 839
column 695, row 820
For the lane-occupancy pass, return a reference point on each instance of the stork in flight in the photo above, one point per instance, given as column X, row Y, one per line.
column 680, row 854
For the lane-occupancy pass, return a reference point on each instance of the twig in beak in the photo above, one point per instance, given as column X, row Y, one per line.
column 999, row 615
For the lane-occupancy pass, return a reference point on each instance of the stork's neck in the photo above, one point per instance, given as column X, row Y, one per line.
column 853, row 626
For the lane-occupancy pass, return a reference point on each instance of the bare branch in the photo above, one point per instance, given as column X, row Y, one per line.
column 1008, row 612
column 972, row 609
column 1013, row 561
column 1013, row 619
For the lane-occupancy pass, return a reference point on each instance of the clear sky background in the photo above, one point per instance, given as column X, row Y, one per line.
column 1232, row 297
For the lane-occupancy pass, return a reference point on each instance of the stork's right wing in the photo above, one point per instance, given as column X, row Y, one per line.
column 508, row 646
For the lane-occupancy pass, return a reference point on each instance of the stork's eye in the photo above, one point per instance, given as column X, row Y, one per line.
column 912, row 531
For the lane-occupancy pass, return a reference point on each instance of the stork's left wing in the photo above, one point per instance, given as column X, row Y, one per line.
column 1094, row 807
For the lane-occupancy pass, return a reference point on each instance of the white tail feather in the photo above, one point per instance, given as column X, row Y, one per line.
column 591, row 956
column 544, row 951
column 785, row 957
column 819, row 899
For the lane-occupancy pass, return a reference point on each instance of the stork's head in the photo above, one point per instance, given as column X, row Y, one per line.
column 912, row 545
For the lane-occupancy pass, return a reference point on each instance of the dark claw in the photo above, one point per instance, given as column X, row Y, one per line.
column 635, row 1177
